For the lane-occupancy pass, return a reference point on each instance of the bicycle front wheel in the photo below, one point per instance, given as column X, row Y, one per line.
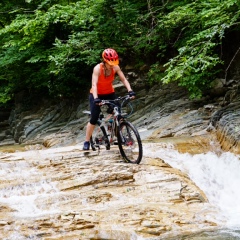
column 129, row 143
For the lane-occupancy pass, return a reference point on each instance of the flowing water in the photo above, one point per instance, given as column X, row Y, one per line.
column 217, row 173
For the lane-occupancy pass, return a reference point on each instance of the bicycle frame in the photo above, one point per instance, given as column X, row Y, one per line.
column 115, row 115
column 113, row 127
column 127, row 136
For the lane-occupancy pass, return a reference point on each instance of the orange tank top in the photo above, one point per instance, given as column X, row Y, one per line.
column 104, row 85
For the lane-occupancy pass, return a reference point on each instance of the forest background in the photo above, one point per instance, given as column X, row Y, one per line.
column 48, row 48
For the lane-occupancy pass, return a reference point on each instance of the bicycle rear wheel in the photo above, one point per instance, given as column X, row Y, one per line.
column 129, row 143
column 98, row 138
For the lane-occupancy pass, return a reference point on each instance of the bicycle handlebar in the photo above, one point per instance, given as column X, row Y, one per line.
column 119, row 104
column 119, row 99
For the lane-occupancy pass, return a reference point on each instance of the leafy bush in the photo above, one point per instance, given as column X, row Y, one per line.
column 53, row 45
column 196, row 30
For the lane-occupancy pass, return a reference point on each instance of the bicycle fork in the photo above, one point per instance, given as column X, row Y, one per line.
column 118, row 132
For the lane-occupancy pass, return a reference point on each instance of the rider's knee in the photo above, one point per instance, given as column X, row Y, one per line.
column 93, row 121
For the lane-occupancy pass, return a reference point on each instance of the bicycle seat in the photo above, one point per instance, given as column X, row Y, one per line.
column 87, row 112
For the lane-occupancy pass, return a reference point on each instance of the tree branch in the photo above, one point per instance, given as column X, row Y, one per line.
column 231, row 63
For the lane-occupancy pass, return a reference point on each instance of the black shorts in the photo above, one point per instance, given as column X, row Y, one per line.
column 95, row 109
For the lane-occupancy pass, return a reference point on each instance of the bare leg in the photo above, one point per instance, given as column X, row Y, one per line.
column 89, row 131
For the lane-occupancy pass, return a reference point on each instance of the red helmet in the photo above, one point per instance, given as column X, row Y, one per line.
column 110, row 56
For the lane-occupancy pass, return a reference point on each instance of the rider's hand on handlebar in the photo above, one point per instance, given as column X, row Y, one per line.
column 97, row 101
column 131, row 94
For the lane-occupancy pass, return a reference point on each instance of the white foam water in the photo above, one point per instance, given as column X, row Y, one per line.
column 21, row 185
column 217, row 174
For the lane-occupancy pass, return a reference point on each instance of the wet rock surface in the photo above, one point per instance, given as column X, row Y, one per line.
column 51, row 189
column 227, row 124
column 164, row 110
column 65, row 193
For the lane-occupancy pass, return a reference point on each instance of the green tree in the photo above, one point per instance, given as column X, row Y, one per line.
column 55, row 46
column 51, row 46
column 194, row 30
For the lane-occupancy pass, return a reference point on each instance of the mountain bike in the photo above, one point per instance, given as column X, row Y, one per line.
column 116, row 130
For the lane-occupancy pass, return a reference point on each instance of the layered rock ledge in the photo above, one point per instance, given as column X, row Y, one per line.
column 226, row 121
column 159, row 112
column 64, row 193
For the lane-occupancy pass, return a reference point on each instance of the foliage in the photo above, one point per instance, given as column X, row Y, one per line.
column 197, row 29
column 51, row 46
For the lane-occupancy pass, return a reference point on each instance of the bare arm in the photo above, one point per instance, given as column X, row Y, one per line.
column 95, row 76
column 123, row 78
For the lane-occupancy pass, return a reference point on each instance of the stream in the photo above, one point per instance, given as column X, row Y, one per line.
column 216, row 173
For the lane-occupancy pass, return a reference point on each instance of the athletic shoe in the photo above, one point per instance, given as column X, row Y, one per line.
column 86, row 145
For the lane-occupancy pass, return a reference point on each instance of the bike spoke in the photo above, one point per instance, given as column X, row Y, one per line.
column 130, row 145
column 99, row 138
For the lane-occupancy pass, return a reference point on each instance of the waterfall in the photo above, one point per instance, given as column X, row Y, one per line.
column 21, row 185
column 216, row 173
column 31, row 188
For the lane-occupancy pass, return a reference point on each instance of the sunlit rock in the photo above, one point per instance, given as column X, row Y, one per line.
column 62, row 193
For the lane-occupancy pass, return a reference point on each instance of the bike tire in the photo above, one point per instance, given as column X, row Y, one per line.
column 129, row 143
column 98, row 138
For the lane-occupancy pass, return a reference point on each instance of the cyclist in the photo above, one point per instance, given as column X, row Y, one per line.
column 102, row 87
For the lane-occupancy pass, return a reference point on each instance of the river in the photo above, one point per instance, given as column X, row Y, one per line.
column 216, row 173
